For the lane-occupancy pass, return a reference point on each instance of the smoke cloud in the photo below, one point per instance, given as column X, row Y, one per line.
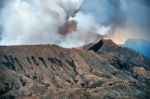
column 72, row 23
column 35, row 21
column 123, row 15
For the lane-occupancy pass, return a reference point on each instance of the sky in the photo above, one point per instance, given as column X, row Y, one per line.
column 41, row 21
column 128, row 18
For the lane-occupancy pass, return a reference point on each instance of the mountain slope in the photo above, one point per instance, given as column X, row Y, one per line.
column 49, row 71
column 141, row 46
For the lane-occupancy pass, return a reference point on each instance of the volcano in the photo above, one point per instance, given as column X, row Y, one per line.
column 101, row 70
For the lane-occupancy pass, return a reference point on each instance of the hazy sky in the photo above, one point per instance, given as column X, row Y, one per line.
column 128, row 18
column 38, row 21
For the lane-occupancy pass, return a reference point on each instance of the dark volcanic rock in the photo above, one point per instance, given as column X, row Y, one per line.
column 52, row 72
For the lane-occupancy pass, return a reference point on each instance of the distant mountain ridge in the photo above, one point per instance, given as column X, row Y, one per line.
column 101, row 70
column 142, row 46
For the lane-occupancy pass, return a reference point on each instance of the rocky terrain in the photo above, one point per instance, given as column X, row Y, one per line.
column 97, row 71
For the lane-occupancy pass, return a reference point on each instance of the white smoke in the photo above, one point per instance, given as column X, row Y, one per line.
column 88, row 31
column 35, row 21
column 39, row 21
column 131, row 16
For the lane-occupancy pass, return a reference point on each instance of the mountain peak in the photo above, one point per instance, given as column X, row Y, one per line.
column 104, row 43
column 108, row 42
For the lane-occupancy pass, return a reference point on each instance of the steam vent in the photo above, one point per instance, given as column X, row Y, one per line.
column 97, row 71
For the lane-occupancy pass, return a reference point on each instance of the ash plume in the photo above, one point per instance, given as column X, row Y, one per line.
column 35, row 21
column 69, row 27
column 72, row 23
